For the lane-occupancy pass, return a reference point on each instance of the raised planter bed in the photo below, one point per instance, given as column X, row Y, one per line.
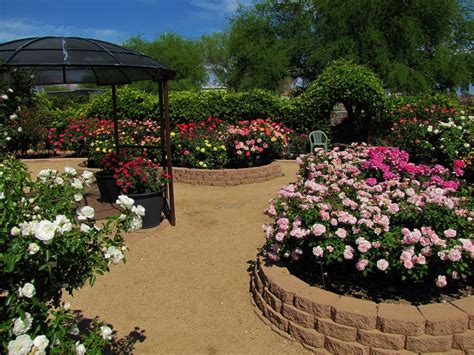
column 227, row 177
column 324, row 321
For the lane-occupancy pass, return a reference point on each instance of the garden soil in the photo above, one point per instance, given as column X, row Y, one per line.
column 185, row 289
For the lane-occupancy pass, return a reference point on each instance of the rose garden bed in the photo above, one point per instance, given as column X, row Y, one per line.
column 339, row 324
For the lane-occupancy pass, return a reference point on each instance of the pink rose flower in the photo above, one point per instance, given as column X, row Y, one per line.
column 454, row 255
column 348, row 252
column 450, row 233
column 341, row 233
column 318, row 251
column 362, row 264
column 318, row 229
column 382, row 264
column 441, row 281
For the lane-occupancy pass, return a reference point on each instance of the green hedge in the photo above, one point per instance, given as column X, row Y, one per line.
column 188, row 106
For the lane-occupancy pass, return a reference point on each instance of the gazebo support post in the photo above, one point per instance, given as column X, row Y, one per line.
column 114, row 113
column 166, row 146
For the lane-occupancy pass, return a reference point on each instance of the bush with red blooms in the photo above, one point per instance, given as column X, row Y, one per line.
column 139, row 176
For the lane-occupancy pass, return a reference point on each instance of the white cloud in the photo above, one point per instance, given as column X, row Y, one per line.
column 226, row 6
column 11, row 29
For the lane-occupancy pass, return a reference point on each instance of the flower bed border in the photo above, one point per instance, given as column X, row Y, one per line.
column 324, row 321
column 227, row 177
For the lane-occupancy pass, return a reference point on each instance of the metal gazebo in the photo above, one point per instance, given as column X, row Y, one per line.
column 74, row 60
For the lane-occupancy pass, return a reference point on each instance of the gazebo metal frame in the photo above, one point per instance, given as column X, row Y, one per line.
column 76, row 60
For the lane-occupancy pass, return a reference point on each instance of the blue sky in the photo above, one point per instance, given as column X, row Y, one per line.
column 113, row 20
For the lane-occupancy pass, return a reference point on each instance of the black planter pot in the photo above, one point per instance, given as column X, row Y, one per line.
column 153, row 203
column 109, row 191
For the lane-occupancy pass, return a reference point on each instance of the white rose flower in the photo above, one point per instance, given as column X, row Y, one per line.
column 20, row 129
column 80, row 349
column 28, row 290
column 45, row 231
column 46, row 173
column 20, row 346
column 77, row 184
column 430, row 129
column 139, row 210
column 13, row 116
column 67, row 306
column 59, row 180
column 77, row 197
column 125, row 201
column 21, row 326
column 4, row 97
column 106, row 332
column 84, row 213
column 63, row 224
column 466, row 145
column 2, row 195
column 85, row 228
column 40, row 343
column 436, row 131
column 28, row 228
column 87, row 176
column 74, row 330
column 136, row 223
column 69, row 170
column 122, row 217
column 15, row 231
column 33, row 248
column 10, row 90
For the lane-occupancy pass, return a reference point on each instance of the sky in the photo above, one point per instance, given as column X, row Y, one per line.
column 113, row 20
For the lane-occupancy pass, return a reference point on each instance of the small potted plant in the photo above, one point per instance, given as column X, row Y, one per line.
column 144, row 181
column 106, row 181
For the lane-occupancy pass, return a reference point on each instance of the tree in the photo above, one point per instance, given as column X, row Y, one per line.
column 258, row 58
column 183, row 55
column 216, row 55
column 413, row 46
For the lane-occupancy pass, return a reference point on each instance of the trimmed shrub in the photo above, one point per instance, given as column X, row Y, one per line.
column 355, row 86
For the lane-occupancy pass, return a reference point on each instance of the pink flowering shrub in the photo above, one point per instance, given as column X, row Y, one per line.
column 369, row 211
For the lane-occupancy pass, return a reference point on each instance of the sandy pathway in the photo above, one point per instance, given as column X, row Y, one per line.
column 186, row 287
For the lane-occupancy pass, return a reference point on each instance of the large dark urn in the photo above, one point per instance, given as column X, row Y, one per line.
column 153, row 203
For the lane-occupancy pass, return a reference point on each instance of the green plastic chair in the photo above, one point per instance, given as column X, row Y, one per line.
column 318, row 139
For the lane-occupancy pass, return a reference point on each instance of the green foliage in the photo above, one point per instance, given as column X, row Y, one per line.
column 228, row 106
column 181, row 54
column 131, row 104
column 413, row 46
column 258, row 57
column 355, row 86
column 217, row 56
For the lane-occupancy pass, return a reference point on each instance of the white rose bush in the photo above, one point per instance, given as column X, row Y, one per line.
column 50, row 243
column 368, row 213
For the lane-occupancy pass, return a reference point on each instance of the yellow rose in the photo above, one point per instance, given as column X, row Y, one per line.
column 215, row 149
column 204, row 165
column 104, row 150
column 97, row 149
column 273, row 139
column 203, row 150
column 172, row 134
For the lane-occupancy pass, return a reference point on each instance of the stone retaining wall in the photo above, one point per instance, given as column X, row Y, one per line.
column 326, row 322
column 227, row 177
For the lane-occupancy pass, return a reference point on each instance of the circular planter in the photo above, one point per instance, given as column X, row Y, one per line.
column 344, row 325
column 227, row 177
column 109, row 191
column 153, row 203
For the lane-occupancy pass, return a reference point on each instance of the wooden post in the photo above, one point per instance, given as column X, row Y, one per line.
column 165, row 118
column 114, row 112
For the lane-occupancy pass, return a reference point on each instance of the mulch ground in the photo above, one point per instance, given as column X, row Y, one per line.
column 185, row 289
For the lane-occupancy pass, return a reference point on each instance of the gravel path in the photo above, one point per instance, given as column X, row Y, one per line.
column 184, row 289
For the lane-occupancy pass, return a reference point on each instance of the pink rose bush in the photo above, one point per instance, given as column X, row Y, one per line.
column 369, row 211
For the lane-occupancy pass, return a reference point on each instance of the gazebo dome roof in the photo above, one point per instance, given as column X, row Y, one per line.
column 73, row 60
